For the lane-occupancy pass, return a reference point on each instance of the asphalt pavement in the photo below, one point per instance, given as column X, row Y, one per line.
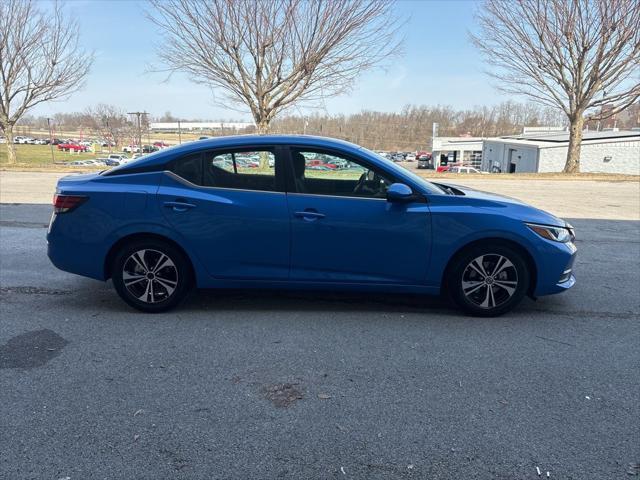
column 243, row 385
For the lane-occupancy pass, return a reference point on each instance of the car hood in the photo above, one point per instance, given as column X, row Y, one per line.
column 514, row 208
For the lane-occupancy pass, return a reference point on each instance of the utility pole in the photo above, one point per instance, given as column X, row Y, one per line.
column 179, row 132
column 139, row 126
column 108, row 136
column 53, row 158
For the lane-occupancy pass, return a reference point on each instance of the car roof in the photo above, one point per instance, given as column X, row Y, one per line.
column 234, row 141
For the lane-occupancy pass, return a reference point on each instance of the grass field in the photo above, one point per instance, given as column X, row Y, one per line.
column 40, row 156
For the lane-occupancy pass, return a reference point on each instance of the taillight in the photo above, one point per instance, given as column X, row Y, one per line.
column 66, row 203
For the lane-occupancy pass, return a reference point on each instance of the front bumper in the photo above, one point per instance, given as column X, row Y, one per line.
column 555, row 269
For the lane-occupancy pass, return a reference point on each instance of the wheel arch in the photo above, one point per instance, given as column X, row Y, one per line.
column 526, row 255
column 108, row 262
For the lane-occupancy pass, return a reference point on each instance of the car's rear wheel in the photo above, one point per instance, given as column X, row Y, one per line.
column 151, row 275
column 488, row 280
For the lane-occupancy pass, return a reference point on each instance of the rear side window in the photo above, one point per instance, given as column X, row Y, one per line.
column 242, row 170
column 189, row 168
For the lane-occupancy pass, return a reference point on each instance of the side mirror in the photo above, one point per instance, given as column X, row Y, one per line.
column 399, row 192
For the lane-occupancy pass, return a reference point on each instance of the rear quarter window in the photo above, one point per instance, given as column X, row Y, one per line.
column 189, row 168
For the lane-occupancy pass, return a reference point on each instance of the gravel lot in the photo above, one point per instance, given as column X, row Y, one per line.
column 275, row 385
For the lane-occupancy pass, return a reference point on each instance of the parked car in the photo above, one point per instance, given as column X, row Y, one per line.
column 131, row 149
column 110, row 162
column 410, row 157
column 68, row 147
column 117, row 157
column 160, row 144
column 179, row 219
column 463, row 169
column 425, row 161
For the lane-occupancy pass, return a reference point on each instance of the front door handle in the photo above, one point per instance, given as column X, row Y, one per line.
column 179, row 206
column 309, row 216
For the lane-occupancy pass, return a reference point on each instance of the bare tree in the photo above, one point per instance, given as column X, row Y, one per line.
column 110, row 122
column 40, row 60
column 582, row 56
column 268, row 55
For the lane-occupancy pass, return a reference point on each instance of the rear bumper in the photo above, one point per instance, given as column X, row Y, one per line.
column 70, row 254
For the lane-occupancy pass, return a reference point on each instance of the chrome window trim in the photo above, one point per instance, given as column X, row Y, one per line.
column 336, row 196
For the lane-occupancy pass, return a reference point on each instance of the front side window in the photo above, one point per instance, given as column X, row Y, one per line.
column 320, row 173
column 243, row 170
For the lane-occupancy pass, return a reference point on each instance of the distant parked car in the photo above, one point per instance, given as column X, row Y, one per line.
column 410, row 158
column 68, row 147
column 464, row 170
column 131, row 149
column 110, row 162
column 118, row 158
column 160, row 144
column 425, row 161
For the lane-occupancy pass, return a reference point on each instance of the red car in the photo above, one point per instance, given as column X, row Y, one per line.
column 445, row 168
column 320, row 163
column 67, row 147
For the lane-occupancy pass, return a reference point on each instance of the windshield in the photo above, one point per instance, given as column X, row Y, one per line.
column 428, row 186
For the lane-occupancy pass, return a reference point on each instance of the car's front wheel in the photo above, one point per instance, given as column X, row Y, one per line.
column 151, row 275
column 488, row 280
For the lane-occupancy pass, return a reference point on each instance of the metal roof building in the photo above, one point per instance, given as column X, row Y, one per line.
column 197, row 126
column 467, row 150
column 601, row 152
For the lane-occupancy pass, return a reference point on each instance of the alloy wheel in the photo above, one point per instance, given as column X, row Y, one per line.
column 150, row 275
column 489, row 281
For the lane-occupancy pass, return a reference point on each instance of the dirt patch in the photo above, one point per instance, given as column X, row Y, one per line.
column 31, row 349
column 283, row 395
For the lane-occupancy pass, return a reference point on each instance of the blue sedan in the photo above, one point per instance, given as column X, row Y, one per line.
column 301, row 212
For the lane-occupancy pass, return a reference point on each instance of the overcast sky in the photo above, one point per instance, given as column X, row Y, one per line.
column 440, row 66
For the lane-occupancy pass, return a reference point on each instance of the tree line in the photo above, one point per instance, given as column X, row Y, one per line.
column 406, row 130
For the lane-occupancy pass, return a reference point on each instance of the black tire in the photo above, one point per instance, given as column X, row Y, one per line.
column 494, row 294
column 160, row 297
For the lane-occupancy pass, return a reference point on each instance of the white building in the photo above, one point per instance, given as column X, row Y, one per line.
column 600, row 152
column 467, row 150
column 197, row 126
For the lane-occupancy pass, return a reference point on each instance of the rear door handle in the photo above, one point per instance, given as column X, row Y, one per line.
column 179, row 206
column 309, row 216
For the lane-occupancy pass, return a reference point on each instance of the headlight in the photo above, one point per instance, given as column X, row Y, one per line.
column 557, row 234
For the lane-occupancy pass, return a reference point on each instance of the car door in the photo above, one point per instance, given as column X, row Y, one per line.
column 344, row 230
column 231, row 213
